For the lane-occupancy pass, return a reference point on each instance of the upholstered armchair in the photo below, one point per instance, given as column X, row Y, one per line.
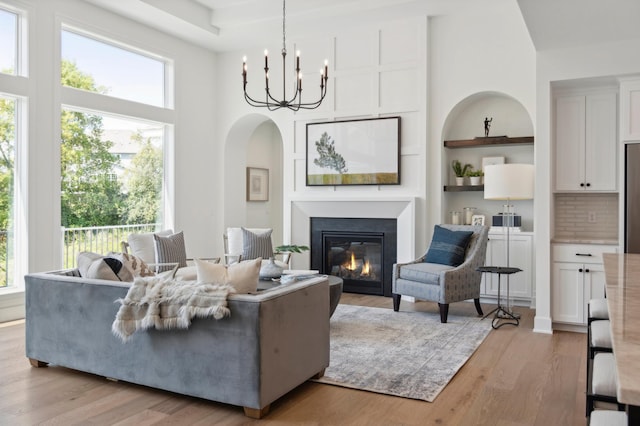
column 447, row 272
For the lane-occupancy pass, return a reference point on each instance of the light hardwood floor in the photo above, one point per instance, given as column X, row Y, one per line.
column 516, row 377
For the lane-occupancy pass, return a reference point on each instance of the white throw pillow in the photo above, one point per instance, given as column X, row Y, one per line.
column 96, row 266
column 242, row 276
column 143, row 245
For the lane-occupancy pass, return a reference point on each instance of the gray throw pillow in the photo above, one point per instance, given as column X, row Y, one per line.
column 256, row 245
column 170, row 250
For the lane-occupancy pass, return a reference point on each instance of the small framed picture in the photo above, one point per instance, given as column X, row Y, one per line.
column 257, row 184
column 477, row 220
column 490, row 161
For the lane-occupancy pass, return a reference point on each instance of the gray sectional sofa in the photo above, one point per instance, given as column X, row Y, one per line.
column 272, row 342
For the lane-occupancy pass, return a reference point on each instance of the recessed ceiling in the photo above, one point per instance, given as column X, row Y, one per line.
column 224, row 25
column 555, row 24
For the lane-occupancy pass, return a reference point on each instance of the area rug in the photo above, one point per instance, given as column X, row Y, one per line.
column 406, row 354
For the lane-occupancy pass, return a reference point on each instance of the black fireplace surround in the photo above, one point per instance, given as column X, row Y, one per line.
column 361, row 251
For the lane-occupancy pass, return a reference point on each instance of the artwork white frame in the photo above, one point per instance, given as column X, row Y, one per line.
column 353, row 152
column 477, row 220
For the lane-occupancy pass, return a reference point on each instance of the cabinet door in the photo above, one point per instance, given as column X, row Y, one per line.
column 569, row 143
column 600, row 142
column 594, row 284
column 520, row 255
column 630, row 101
column 567, row 292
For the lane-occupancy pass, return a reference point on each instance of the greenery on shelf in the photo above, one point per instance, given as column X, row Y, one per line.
column 475, row 173
column 459, row 169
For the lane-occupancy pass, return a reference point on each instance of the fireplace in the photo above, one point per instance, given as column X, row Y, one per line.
column 361, row 251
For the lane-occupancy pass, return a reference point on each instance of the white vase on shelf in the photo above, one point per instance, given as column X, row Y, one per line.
column 475, row 180
column 459, row 180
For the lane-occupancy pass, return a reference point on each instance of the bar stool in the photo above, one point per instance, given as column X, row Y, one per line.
column 608, row 418
column 599, row 337
column 597, row 310
column 601, row 391
column 598, row 333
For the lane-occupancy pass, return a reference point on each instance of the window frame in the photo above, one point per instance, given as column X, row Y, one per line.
column 83, row 100
column 168, row 95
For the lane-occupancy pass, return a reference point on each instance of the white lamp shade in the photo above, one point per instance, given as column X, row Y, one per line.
column 508, row 182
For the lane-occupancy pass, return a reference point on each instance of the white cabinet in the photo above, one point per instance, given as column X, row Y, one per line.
column 585, row 142
column 577, row 276
column 630, row 109
column 520, row 256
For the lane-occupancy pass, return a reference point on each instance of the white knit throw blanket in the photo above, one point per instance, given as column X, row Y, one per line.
column 166, row 304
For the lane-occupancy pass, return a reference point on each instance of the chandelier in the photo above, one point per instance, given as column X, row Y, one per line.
column 295, row 103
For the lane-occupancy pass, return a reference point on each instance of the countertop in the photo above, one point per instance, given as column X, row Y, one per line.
column 622, row 274
column 584, row 241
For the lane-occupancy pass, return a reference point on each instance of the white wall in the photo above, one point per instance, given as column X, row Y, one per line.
column 603, row 60
column 418, row 68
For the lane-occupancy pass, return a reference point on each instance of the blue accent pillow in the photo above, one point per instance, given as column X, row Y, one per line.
column 448, row 247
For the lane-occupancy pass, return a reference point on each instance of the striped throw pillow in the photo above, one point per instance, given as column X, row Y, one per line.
column 170, row 250
column 256, row 245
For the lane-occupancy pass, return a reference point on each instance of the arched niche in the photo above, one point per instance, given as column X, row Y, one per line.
column 254, row 140
column 466, row 121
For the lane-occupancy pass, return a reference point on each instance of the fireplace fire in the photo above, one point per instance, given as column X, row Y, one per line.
column 360, row 251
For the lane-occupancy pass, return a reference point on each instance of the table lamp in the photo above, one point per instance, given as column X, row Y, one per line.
column 508, row 182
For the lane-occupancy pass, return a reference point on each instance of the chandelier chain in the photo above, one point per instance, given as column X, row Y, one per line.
column 284, row 32
column 294, row 103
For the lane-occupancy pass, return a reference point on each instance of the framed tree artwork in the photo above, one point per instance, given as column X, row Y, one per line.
column 257, row 184
column 354, row 152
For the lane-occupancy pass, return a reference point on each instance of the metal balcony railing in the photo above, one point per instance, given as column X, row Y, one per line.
column 97, row 239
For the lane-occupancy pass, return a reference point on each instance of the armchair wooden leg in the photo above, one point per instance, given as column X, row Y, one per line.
column 444, row 312
column 396, row 301
column 478, row 307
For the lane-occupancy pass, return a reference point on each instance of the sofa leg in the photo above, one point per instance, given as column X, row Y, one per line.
column 256, row 413
column 478, row 307
column 396, row 301
column 37, row 364
column 319, row 374
column 444, row 312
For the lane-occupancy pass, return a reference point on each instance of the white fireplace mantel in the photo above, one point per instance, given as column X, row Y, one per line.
column 401, row 209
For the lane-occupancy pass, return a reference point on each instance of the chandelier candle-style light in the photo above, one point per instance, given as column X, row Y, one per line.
column 295, row 103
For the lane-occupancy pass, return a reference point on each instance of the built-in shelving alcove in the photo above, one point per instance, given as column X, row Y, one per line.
column 463, row 138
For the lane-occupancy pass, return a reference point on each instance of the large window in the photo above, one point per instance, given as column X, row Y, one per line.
column 7, row 184
column 112, row 162
column 8, row 42
column 115, row 71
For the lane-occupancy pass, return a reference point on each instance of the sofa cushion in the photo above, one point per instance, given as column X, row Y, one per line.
column 137, row 266
column 448, row 247
column 170, row 249
column 96, row 266
column 143, row 245
column 255, row 245
column 428, row 273
column 242, row 276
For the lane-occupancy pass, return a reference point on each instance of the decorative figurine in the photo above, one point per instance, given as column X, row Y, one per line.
column 487, row 125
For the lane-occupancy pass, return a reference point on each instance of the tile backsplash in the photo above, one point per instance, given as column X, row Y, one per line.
column 573, row 211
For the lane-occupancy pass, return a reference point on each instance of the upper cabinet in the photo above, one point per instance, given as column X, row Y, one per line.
column 585, row 142
column 630, row 109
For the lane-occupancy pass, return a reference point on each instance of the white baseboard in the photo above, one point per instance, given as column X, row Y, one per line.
column 12, row 306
